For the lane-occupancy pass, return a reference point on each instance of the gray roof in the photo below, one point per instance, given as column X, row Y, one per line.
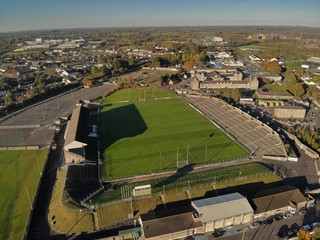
column 77, row 129
column 221, row 207
column 155, row 227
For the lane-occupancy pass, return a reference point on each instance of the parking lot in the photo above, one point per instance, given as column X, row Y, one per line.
column 48, row 111
column 280, row 229
column 44, row 114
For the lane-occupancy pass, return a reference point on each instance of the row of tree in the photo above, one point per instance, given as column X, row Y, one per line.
column 310, row 137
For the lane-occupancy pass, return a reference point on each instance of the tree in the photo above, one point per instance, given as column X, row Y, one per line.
column 304, row 235
column 9, row 99
column 235, row 94
column 188, row 65
column 297, row 90
column 272, row 67
column 86, row 81
column 39, row 79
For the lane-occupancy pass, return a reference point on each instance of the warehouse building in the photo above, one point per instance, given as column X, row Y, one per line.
column 223, row 211
column 289, row 112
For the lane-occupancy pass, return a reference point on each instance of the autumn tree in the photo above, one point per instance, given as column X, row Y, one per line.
column 188, row 65
column 272, row 67
column 304, row 235
column 86, row 81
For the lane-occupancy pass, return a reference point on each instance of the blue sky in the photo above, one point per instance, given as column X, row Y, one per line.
column 51, row 14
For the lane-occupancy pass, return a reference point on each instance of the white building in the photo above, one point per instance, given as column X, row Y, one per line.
column 223, row 211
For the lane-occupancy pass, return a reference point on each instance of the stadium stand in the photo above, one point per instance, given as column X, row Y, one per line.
column 82, row 180
column 253, row 135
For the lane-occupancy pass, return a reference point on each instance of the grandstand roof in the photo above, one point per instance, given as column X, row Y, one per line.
column 77, row 129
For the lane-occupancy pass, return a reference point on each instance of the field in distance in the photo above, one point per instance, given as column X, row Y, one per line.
column 19, row 177
column 147, row 130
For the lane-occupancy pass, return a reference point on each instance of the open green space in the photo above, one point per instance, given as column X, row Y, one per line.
column 20, row 174
column 236, row 173
column 148, row 136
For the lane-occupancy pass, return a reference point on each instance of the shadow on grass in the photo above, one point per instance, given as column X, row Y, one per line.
column 247, row 190
column 181, row 172
column 122, row 122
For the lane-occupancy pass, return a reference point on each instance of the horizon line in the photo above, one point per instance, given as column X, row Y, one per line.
column 137, row 27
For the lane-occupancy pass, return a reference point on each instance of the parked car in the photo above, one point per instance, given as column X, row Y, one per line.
column 315, row 225
column 287, row 215
column 267, row 221
column 255, row 225
column 302, row 211
column 277, row 217
column 306, row 227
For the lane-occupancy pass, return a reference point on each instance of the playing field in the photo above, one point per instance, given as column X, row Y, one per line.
column 158, row 133
column 19, row 175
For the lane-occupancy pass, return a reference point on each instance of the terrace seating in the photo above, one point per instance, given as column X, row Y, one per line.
column 249, row 132
column 81, row 181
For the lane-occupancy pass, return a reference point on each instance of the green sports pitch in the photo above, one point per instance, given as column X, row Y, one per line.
column 149, row 130
column 20, row 174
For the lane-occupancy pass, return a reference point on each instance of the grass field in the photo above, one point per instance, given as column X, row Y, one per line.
column 197, row 185
column 149, row 136
column 219, row 175
column 19, row 175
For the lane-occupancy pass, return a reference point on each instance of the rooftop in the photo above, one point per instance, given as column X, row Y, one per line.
column 220, row 207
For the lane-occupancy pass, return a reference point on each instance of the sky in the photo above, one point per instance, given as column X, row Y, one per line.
column 17, row 15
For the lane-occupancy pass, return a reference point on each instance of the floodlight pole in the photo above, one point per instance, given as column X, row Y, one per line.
column 4, row 142
column 205, row 156
column 187, row 155
column 43, row 117
column 38, row 164
column 160, row 162
column 29, row 198
column 177, row 157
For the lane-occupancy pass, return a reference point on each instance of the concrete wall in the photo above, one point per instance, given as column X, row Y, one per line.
column 20, row 148
column 264, row 157
column 20, row 126
column 173, row 69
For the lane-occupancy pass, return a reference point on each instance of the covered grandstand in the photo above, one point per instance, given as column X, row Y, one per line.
column 249, row 132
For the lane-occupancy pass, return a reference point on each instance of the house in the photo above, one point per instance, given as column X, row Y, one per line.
column 174, row 226
column 223, row 211
column 276, row 200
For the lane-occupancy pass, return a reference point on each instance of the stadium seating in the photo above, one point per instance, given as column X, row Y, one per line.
column 249, row 132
